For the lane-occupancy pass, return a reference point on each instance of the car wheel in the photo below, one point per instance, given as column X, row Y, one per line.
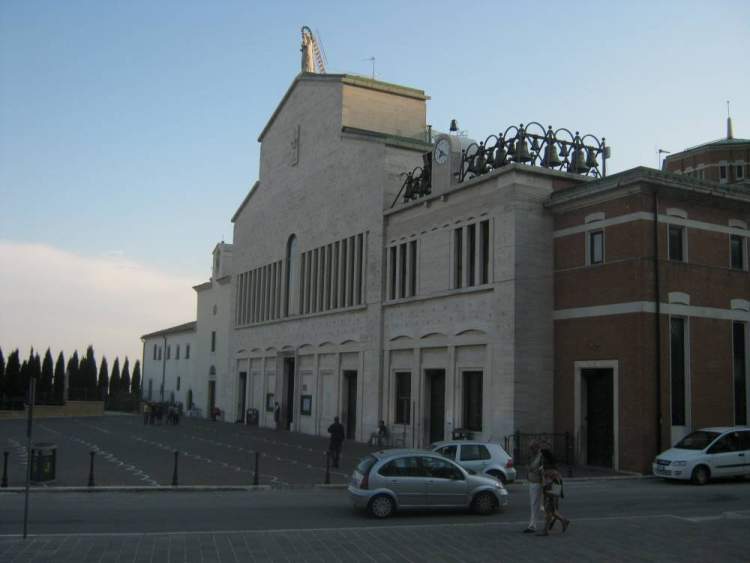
column 497, row 475
column 382, row 506
column 484, row 503
column 701, row 475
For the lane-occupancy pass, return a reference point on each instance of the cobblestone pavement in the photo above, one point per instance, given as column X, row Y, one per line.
column 660, row 538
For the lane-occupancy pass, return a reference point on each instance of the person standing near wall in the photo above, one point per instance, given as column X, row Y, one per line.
column 336, row 430
column 534, row 477
column 277, row 415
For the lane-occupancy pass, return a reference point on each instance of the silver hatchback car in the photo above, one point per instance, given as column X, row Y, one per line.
column 405, row 479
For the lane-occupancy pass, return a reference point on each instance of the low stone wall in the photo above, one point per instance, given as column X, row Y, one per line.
column 71, row 408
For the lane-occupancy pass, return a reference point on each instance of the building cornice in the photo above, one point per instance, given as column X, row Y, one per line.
column 185, row 327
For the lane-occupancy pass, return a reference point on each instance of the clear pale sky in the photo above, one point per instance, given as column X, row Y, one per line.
column 128, row 129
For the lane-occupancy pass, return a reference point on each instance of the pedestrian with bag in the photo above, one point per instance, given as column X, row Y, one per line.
column 336, row 430
column 277, row 415
column 552, row 490
column 534, row 477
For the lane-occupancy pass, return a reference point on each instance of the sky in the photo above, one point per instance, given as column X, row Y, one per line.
column 128, row 130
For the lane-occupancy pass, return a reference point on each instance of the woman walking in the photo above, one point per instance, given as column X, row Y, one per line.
column 552, row 492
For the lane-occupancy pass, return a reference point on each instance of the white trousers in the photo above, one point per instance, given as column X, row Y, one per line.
column 535, row 500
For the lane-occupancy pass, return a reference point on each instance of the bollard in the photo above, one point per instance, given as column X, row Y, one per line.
column 91, row 469
column 174, row 473
column 328, row 468
column 4, row 483
column 256, row 474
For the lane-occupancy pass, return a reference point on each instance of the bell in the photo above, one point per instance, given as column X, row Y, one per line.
column 501, row 155
column 480, row 160
column 591, row 159
column 454, row 126
column 535, row 146
column 409, row 191
column 579, row 163
column 551, row 160
column 522, row 151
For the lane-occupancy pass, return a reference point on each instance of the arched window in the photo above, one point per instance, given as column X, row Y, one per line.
column 292, row 276
column 212, row 370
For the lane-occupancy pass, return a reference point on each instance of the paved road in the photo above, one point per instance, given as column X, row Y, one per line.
column 211, row 453
column 614, row 520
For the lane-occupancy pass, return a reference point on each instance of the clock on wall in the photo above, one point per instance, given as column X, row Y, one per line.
column 442, row 150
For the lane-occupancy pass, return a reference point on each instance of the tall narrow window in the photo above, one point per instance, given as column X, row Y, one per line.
column 344, row 272
column 169, row 352
column 737, row 251
column 471, row 244
column 360, row 268
column 676, row 234
column 155, row 351
column 413, row 268
column 402, row 270
column 740, row 171
column 403, row 397
column 213, row 341
column 677, row 370
column 159, row 353
column 485, row 248
column 596, row 247
column 739, row 352
column 177, row 353
column 392, row 267
column 315, row 285
column 458, row 258
column 472, row 403
column 178, row 382
column 722, row 173
column 335, row 277
column 350, row 262
column 187, row 351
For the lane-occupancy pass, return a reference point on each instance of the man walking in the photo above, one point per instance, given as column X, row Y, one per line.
column 534, row 477
column 336, row 430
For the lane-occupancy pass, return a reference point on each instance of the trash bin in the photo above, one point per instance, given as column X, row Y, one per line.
column 43, row 462
column 252, row 417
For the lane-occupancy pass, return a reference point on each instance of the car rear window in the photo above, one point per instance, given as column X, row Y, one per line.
column 697, row 440
column 365, row 464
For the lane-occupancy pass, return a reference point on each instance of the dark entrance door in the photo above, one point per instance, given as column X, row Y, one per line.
column 288, row 406
column 436, row 392
column 350, row 405
column 599, row 410
column 211, row 397
column 242, row 398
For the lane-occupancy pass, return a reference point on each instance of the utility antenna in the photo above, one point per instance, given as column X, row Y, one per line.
column 372, row 60
column 658, row 157
column 730, row 135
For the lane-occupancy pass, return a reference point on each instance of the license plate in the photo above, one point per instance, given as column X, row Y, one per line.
column 661, row 471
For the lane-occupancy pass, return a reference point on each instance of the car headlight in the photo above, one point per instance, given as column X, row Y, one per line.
column 679, row 463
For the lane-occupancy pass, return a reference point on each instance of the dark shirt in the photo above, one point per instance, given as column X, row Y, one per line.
column 336, row 430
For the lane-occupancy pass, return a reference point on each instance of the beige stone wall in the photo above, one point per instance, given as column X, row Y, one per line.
column 383, row 112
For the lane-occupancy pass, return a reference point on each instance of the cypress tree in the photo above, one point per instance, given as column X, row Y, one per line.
column 45, row 382
column 59, row 382
column 89, row 375
column 125, row 379
column 13, row 385
column 135, row 387
column 72, row 375
column 114, row 380
column 102, row 385
column 2, row 375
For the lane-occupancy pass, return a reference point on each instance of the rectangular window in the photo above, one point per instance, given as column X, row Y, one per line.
column 413, row 268
column 737, row 251
column 177, row 353
column 402, row 270
column 740, row 171
column 350, row 287
column 187, row 351
column 677, row 372
column 403, row 397
column 335, row 277
column 739, row 352
column 360, row 268
column 484, row 228
column 213, row 341
column 178, row 382
column 155, row 347
column 676, row 234
column 472, row 419
column 343, row 297
column 471, row 244
column 169, row 352
column 458, row 258
column 596, row 247
column 392, row 262
column 159, row 353
column 722, row 172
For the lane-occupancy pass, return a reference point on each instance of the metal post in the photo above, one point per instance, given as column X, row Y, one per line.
column 256, row 474
column 32, row 388
column 4, row 482
column 568, row 451
column 174, row 473
column 91, row 468
column 328, row 468
column 517, row 446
